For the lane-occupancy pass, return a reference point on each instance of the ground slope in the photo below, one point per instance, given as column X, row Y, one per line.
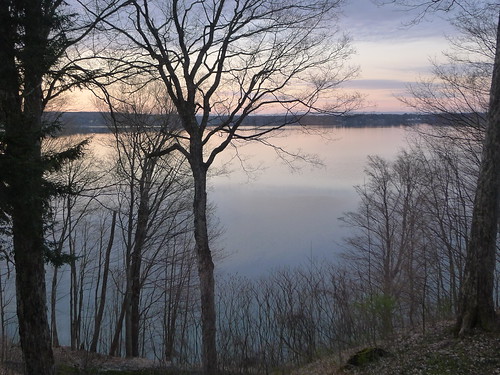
column 438, row 352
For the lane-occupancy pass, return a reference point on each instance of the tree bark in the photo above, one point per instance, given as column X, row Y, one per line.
column 135, row 284
column 476, row 309
column 24, row 176
column 27, row 230
column 134, row 287
column 74, row 296
column 204, row 259
column 104, row 286
column 115, row 343
column 31, row 296
column 53, row 303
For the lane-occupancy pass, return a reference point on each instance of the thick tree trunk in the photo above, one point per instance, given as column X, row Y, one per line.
column 31, row 296
column 22, row 138
column 27, row 229
column 24, row 180
column 204, row 259
column 476, row 307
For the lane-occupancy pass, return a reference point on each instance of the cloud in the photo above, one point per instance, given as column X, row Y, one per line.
column 365, row 21
column 390, row 53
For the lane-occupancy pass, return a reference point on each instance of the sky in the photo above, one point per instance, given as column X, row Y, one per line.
column 389, row 53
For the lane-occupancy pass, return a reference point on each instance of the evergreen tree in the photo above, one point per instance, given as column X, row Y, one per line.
column 33, row 43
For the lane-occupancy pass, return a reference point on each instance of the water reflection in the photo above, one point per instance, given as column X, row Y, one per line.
column 278, row 216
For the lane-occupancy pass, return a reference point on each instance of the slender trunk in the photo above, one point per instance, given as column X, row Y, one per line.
column 476, row 304
column 115, row 343
column 133, row 315
column 53, row 302
column 134, row 284
column 175, row 284
column 453, row 282
column 3, row 346
column 81, row 284
column 125, row 315
column 73, row 310
column 104, row 286
column 135, row 270
column 204, row 260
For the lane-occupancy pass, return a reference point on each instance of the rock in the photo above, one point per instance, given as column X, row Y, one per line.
column 367, row 355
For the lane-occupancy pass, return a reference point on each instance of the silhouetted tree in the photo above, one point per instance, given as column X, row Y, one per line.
column 153, row 194
column 28, row 51
column 220, row 62
column 35, row 37
column 386, row 248
column 476, row 308
column 476, row 305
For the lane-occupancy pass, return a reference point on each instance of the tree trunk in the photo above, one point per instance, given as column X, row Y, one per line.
column 115, row 343
column 104, row 286
column 27, row 230
column 22, row 139
column 31, row 296
column 3, row 342
column 53, row 303
column 476, row 303
column 204, row 260
column 134, row 283
column 133, row 313
column 141, row 231
column 74, row 296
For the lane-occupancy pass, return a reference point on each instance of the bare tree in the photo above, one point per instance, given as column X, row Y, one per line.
column 450, row 180
column 220, row 62
column 101, row 301
column 39, row 63
column 386, row 248
column 80, row 181
column 457, row 93
column 476, row 305
column 288, row 316
column 152, row 194
column 35, row 37
column 476, row 302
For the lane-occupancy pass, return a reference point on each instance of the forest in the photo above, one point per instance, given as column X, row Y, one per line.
column 109, row 246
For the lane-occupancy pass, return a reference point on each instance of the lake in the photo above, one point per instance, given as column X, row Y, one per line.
column 276, row 214
column 282, row 215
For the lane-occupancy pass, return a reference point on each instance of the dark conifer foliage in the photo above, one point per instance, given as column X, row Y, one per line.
column 33, row 41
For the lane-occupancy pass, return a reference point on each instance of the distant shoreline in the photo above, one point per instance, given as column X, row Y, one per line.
column 94, row 122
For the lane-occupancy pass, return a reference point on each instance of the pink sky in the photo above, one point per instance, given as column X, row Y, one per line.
column 389, row 54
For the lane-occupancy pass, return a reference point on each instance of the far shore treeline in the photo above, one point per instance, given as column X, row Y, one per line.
column 94, row 122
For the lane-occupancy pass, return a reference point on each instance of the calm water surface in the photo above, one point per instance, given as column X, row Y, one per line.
column 280, row 216
column 283, row 216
